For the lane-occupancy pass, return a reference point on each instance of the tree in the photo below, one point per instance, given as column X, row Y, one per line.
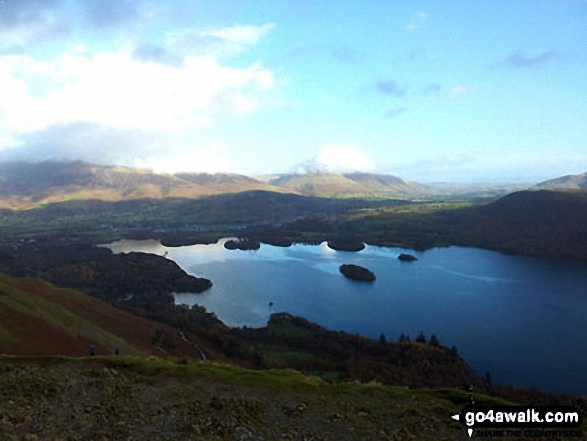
column 487, row 378
column 382, row 339
column 434, row 340
column 421, row 337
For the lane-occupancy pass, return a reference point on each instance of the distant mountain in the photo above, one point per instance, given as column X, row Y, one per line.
column 40, row 318
column 347, row 184
column 25, row 185
column 226, row 182
column 544, row 223
column 564, row 183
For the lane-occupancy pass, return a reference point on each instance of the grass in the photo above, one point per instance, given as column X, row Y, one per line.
column 289, row 329
column 414, row 402
column 292, row 357
column 6, row 337
column 272, row 379
column 31, row 305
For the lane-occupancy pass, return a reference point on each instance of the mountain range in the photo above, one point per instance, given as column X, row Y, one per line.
column 26, row 185
column 347, row 185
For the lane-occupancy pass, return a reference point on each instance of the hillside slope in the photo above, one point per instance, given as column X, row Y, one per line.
column 347, row 185
column 27, row 185
column 150, row 398
column 564, row 183
column 539, row 223
column 36, row 317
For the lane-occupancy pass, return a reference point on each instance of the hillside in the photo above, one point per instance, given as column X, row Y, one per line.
column 131, row 398
column 347, row 185
column 564, row 183
column 539, row 223
column 27, row 185
column 226, row 182
column 36, row 317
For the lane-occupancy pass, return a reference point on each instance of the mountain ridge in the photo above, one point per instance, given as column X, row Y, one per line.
column 564, row 183
column 28, row 185
column 356, row 184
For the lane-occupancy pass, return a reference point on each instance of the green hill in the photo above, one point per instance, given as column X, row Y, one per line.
column 36, row 317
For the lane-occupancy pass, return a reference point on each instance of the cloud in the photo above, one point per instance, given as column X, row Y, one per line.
column 217, row 42
column 108, row 13
column 390, row 88
column 141, row 102
column 162, row 152
column 146, row 51
column 338, row 159
column 86, row 141
column 25, row 22
column 418, row 20
column 115, row 90
column 520, row 61
column 392, row 113
column 210, row 159
column 17, row 12
column 458, row 91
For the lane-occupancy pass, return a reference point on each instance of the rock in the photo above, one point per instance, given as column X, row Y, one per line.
column 356, row 272
column 406, row 258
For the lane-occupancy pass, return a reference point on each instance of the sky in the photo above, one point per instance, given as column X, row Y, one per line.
column 433, row 91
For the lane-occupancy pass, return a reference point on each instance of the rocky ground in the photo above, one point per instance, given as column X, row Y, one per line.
column 151, row 399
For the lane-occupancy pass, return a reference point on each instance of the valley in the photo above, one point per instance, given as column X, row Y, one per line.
column 48, row 249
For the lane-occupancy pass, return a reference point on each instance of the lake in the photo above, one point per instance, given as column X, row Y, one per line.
column 523, row 319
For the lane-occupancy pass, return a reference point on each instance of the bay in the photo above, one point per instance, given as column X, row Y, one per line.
column 523, row 319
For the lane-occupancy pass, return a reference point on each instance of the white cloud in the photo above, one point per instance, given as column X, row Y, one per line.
column 418, row 19
column 247, row 35
column 216, row 42
column 208, row 160
column 114, row 90
column 458, row 91
column 111, row 106
column 341, row 158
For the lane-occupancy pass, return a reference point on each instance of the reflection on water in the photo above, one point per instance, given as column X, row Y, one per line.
column 521, row 318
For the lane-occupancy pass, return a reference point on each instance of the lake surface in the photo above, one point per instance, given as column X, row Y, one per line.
column 523, row 319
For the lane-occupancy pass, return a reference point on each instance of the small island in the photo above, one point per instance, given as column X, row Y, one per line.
column 242, row 244
column 357, row 272
column 346, row 244
column 407, row 258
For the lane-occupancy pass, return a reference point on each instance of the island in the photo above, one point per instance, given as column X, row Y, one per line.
column 242, row 244
column 357, row 272
column 346, row 244
column 407, row 258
